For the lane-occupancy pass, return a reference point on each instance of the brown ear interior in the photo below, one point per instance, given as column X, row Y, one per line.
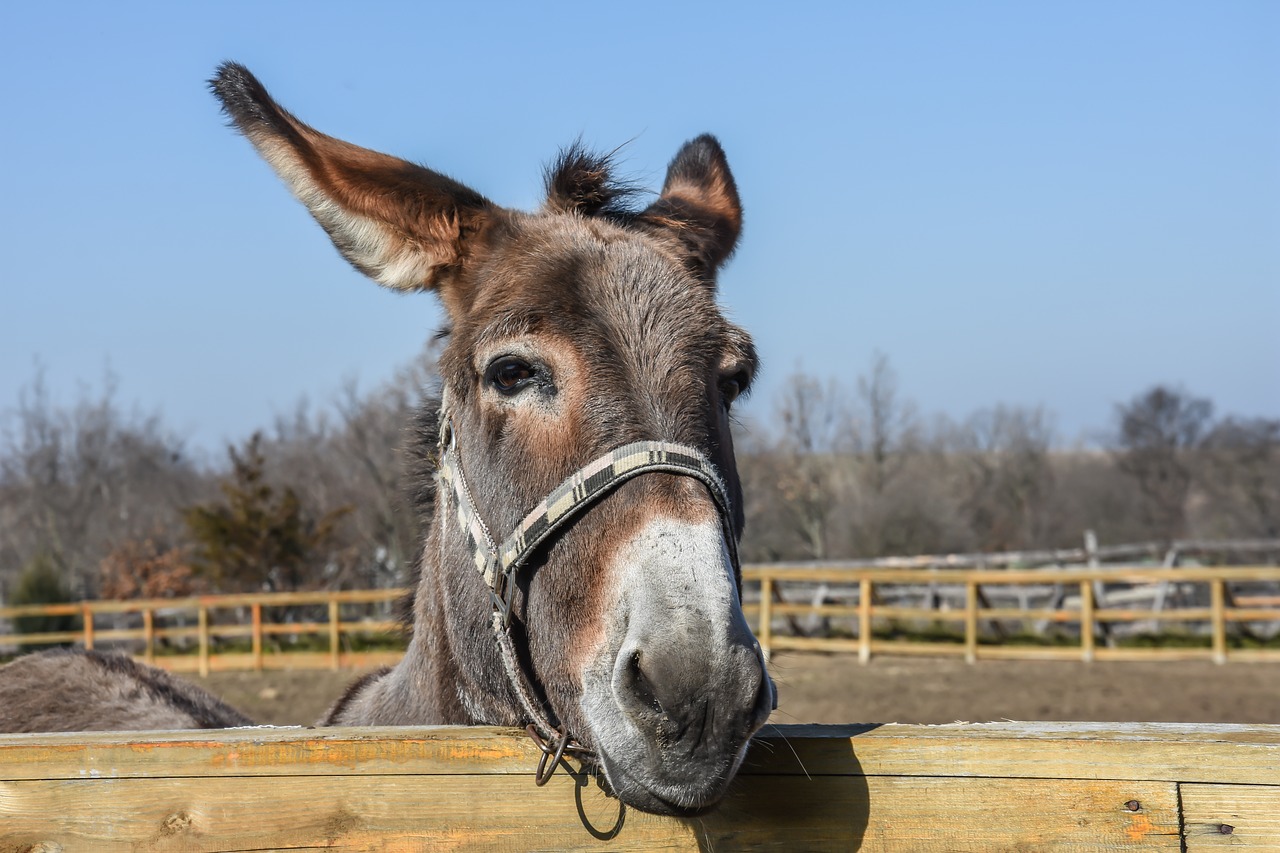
column 699, row 205
column 401, row 224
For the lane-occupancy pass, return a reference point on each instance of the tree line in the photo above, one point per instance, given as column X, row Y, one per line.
column 98, row 501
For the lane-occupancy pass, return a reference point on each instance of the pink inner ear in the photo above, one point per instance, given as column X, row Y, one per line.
column 398, row 223
column 699, row 205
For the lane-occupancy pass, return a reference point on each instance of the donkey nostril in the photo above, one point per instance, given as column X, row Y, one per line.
column 639, row 686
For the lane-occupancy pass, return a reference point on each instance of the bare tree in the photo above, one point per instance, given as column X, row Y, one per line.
column 74, row 480
column 1156, row 434
column 814, row 430
column 1008, row 478
column 362, row 454
column 886, row 425
column 1239, row 477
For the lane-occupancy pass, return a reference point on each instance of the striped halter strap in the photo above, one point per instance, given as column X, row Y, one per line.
column 499, row 564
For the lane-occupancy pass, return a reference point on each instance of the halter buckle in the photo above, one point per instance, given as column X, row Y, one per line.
column 502, row 592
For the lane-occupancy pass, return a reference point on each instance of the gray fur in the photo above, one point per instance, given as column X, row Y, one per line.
column 63, row 690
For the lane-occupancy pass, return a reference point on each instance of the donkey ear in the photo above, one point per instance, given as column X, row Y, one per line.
column 699, row 205
column 402, row 225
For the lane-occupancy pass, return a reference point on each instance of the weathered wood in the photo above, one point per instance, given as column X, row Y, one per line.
column 1231, row 817
column 86, row 617
column 244, row 661
column 1217, row 599
column 1237, row 754
column 203, row 622
column 990, row 787
column 864, row 620
column 765, row 632
column 148, row 636
column 256, row 636
column 509, row 813
column 971, row 622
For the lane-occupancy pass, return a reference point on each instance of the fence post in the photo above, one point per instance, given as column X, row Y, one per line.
column 766, row 616
column 864, row 620
column 1086, row 621
column 203, row 622
column 971, row 621
column 87, row 617
column 256, row 636
column 1218, row 619
column 149, row 635
column 334, row 632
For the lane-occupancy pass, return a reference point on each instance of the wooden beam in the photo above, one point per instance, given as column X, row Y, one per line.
column 989, row 787
column 1231, row 817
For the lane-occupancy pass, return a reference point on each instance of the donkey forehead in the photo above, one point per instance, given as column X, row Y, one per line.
column 607, row 290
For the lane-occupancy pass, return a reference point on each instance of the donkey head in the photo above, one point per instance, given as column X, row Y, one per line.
column 573, row 330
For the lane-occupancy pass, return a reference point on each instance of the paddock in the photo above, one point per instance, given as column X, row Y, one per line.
column 962, row 787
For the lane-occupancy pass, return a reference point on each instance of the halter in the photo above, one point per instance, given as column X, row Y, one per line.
column 500, row 564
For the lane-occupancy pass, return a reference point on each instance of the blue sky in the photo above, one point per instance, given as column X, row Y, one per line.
column 1045, row 203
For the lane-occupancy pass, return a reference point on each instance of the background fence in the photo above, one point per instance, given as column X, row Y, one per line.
column 353, row 628
column 1111, row 613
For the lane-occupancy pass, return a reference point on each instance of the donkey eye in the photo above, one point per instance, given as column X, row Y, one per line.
column 731, row 387
column 508, row 375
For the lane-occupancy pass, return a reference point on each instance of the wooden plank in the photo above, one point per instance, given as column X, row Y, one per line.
column 1029, row 614
column 242, row 661
column 148, row 636
column 1188, row 614
column 909, row 648
column 1231, row 817
column 1086, row 621
column 1235, row 754
column 335, row 636
column 44, row 637
column 1137, row 653
column 346, row 812
column 825, row 573
column 87, row 621
column 255, row 633
column 1068, row 653
column 766, row 618
column 1217, row 603
column 1255, row 655
column 203, row 659
column 864, row 619
column 923, row 614
column 971, row 623
column 785, row 642
column 840, row 611
column 1173, row 752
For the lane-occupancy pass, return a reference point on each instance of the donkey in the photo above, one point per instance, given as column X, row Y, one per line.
column 580, row 573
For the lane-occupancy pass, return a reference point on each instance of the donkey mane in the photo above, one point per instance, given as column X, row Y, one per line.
column 582, row 181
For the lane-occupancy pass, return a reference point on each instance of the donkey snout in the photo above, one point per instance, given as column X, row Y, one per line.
column 681, row 685
column 691, row 696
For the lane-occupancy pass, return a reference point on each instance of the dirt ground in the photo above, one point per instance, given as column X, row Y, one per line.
column 837, row 689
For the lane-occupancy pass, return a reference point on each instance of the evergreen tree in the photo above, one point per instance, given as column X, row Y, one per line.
column 41, row 583
column 258, row 537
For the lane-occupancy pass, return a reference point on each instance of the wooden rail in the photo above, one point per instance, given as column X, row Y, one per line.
column 1087, row 618
column 207, row 629
column 992, row 787
column 1083, row 619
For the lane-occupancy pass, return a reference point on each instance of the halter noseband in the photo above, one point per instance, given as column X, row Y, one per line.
column 499, row 564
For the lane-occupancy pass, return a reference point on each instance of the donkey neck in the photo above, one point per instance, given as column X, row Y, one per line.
column 451, row 673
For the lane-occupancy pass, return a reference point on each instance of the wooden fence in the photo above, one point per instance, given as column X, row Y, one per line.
column 986, row 614
column 991, row 787
column 191, row 646
column 1216, row 613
